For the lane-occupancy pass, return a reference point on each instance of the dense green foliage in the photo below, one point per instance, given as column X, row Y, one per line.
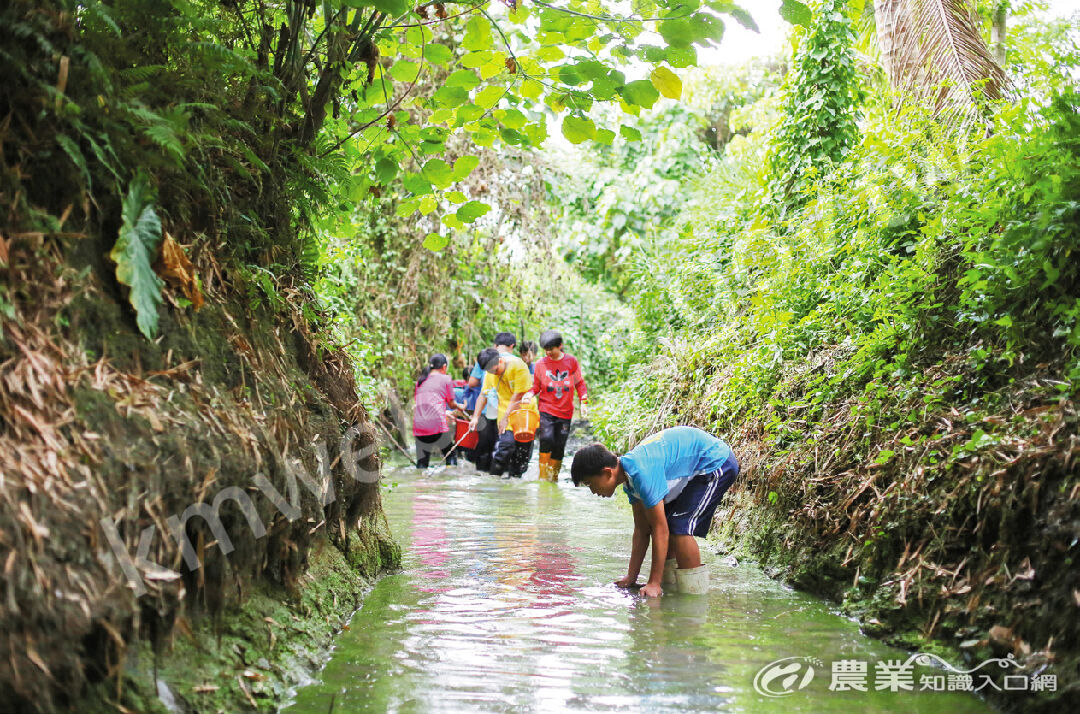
column 820, row 114
column 910, row 246
column 258, row 121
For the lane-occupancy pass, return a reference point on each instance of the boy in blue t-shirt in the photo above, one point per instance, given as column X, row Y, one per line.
column 675, row 480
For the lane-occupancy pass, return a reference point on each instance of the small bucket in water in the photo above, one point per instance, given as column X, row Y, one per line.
column 523, row 422
column 468, row 439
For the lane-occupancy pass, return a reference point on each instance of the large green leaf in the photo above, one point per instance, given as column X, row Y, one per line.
column 436, row 242
column 405, row 71
column 464, row 78
column 385, row 170
column 471, row 211
column 439, row 173
column 666, row 82
column 463, row 166
column 640, row 92
column 438, row 54
column 477, row 34
column 489, row 96
column 679, row 32
column 578, row 129
column 450, row 97
column 796, row 12
column 134, row 253
column 393, row 8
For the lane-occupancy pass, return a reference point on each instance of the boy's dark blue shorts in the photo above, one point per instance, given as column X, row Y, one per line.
column 692, row 510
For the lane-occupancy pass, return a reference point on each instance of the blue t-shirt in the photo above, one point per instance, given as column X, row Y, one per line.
column 659, row 468
column 471, row 394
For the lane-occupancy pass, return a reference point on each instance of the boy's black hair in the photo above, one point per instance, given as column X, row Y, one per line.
column 549, row 339
column 486, row 356
column 506, row 339
column 466, row 373
column 589, row 460
column 528, row 346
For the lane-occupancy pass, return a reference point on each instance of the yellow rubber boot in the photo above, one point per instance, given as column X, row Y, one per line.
column 554, row 467
column 545, row 467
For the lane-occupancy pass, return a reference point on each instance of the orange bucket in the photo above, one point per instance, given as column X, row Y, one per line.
column 523, row 422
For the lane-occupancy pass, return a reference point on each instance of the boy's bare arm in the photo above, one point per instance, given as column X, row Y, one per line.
column 638, row 546
column 481, row 402
column 657, row 523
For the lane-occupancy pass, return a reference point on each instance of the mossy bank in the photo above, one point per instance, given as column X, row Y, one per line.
column 113, row 442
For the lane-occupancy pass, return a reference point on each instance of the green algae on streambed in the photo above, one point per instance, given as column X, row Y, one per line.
column 505, row 603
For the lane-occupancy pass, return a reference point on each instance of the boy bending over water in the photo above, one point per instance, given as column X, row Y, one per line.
column 674, row 479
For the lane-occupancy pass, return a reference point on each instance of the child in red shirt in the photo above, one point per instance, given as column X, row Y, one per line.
column 556, row 377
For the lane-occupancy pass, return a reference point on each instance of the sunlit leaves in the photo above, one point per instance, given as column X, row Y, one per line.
column 796, row 12
column 489, row 96
column 630, row 133
column 385, row 170
column 464, row 166
column 405, row 71
column 415, row 183
column 640, row 92
column 436, row 242
column 439, row 173
column 427, row 204
column 438, row 54
column 471, row 211
column 511, row 118
column 666, row 82
column 477, row 34
column 604, row 136
column 464, row 78
column 393, row 8
column 450, row 97
column 578, row 129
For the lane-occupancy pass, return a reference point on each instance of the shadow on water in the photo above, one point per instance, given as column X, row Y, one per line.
column 505, row 603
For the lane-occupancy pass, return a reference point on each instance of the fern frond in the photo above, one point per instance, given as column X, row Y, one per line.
column 101, row 11
column 75, row 154
column 164, row 137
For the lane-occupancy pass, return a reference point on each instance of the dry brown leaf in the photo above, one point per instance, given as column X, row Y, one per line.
column 5, row 254
column 205, row 688
column 175, row 268
column 247, row 692
column 34, row 657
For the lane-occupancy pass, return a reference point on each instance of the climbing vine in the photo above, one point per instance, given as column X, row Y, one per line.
column 819, row 120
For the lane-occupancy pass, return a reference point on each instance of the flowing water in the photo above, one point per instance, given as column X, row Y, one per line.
column 505, row 603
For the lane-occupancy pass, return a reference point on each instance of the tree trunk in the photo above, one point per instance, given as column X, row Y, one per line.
column 997, row 33
column 933, row 51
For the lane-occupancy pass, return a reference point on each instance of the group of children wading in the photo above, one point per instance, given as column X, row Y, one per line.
column 674, row 479
column 503, row 404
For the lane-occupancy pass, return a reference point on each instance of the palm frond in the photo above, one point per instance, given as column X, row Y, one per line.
column 932, row 51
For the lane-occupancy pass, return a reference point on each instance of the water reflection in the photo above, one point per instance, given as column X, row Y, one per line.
column 506, row 604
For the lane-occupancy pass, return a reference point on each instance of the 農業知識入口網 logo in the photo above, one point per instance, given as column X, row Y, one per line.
column 785, row 676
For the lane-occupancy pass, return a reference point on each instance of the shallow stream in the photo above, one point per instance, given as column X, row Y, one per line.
column 506, row 603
